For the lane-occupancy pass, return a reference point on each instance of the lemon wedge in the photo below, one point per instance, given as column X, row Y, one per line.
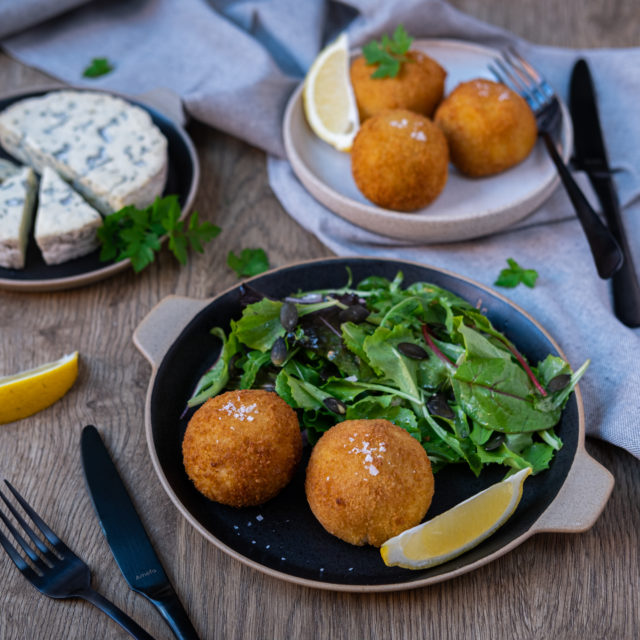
column 328, row 98
column 457, row 530
column 28, row 392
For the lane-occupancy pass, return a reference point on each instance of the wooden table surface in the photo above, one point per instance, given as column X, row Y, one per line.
column 552, row 586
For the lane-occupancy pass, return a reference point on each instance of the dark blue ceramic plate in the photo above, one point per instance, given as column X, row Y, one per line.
column 282, row 537
column 182, row 179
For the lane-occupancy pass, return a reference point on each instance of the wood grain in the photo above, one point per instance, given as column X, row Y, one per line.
column 553, row 586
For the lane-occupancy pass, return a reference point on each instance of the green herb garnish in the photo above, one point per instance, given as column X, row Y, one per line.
column 420, row 357
column 249, row 263
column 135, row 233
column 515, row 274
column 98, row 67
column 388, row 54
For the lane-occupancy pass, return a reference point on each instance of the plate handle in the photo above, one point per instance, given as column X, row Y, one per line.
column 581, row 499
column 163, row 324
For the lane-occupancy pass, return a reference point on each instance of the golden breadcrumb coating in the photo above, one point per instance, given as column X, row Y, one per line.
column 399, row 160
column 419, row 86
column 241, row 448
column 368, row 480
column 489, row 127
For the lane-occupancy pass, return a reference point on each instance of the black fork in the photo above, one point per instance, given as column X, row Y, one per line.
column 515, row 72
column 55, row 570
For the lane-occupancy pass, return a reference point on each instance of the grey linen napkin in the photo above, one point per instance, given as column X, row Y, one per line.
column 234, row 64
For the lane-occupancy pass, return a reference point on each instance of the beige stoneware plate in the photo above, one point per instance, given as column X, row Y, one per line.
column 467, row 208
column 281, row 537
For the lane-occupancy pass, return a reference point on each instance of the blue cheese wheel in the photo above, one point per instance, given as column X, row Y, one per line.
column 107, row 148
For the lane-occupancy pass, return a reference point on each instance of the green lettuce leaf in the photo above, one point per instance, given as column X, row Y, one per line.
column 259, row 327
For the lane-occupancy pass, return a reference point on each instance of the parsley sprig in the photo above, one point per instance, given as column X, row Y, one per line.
column 249, row 263
column 388, row 54
column 135, row 233
column 515, row 274
column 98, row 67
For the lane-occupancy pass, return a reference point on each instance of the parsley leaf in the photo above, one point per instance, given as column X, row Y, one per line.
column 250, row 262
column 98, row 67
column 515, row 275
column 388, row 54
column 136, row 233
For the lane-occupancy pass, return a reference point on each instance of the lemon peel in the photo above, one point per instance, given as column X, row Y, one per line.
column 25, row 393
column 328, row 98
column 457, row 530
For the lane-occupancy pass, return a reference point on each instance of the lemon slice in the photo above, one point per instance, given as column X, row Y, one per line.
column 28, row 392
column 329, row 101
column 457, row 530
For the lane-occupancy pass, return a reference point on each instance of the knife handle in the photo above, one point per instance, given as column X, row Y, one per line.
column 624, row 284
column 605, row 249
column 167, row 603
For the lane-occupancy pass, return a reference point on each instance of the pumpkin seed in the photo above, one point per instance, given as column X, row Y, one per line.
column 233, row 370
column 336, row 406
column 494, row 442
column 412, row 350
column 559, row 382
column 289, row 316
column 355, row 313
column 438, row 406
column 279, row 352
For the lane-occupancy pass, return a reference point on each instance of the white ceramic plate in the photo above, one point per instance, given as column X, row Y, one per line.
column 467, row 208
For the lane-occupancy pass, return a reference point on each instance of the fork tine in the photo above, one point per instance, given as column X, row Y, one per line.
column 507, row 75
column 38, row 521
column 514, row 72
column 517, row 60
column 27, row 529
column 18, row 560
column 531, row 82
column 19, row 539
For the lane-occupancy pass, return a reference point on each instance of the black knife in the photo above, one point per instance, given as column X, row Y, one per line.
column 126, row 535
column 591, row 157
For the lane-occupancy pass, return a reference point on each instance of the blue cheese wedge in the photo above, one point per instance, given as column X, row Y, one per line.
column 66, row 225
column 7, row 169
column 17, row 197
column 107, row 148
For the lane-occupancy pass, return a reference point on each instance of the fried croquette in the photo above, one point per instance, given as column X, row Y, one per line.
column 419, row 86
column 399, row 160
column 368, row 480
column 489, row 127
column 241, row 448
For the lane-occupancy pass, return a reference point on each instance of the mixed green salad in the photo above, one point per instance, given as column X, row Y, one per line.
column 419, row 356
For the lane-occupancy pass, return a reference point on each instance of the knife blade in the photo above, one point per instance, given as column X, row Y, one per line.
column 126, row 535
column 591, row 156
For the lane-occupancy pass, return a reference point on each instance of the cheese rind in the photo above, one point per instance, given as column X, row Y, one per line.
column 17, row 197
column 107, row 148
column 66, row 225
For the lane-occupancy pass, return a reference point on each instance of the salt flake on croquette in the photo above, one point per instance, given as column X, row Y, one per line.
column 241, row 413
